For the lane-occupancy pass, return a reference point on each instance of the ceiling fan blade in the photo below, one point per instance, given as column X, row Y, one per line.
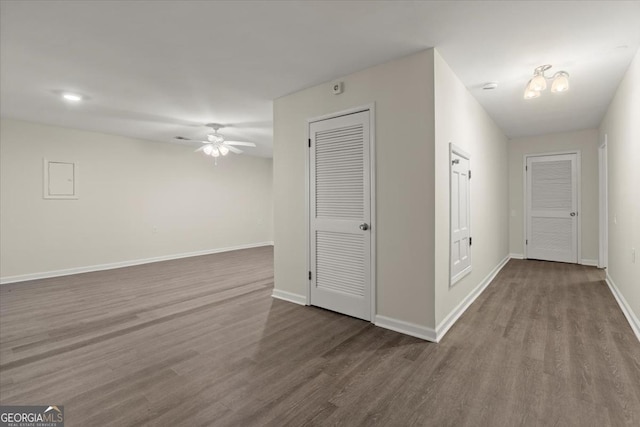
column 199, row 149
column 233, row 149
column 245, row 144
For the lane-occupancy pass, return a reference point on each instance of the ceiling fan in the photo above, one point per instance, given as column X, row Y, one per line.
column 216, row 145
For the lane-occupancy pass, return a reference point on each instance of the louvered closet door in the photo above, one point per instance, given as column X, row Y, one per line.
column 340, row 215
column 552, row 209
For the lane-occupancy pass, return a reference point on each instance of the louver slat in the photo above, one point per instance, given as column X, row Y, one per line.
column 340, row 265
column 340, row 173
column 552, row 234
column 551, row 189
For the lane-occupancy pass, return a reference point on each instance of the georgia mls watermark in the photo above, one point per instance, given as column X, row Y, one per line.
column 32, row 416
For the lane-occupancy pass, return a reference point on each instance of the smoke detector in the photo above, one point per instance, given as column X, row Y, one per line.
column 490, row 86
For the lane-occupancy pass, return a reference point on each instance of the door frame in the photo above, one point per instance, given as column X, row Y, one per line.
column 578, row 196
column 455, row 149
column 372, row 177
column 603, row 205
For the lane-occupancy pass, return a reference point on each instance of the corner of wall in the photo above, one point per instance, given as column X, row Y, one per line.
column 622, row 128
column 461, row 120
column 402, row 91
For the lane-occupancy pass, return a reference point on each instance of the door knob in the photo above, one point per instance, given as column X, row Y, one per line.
column 572, row 214
column 364, row 226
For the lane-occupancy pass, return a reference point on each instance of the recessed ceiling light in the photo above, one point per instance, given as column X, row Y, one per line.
column 489, row 85
column 73, row 97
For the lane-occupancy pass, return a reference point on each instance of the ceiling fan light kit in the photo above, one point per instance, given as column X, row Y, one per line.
column 538, row 82
column 216, row 145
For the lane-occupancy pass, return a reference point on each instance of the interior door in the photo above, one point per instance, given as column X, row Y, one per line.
column 340, row 213
column 552, row 208
column 460, row 216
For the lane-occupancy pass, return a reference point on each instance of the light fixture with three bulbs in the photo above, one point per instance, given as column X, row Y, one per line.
column 539, row 82
column 215, row 150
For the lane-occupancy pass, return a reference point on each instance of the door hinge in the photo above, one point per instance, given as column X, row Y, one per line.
column 526, row 242
column 309, row 142
column 469, row 174
column 526, row 168
column 470, row 241
column 309, row 275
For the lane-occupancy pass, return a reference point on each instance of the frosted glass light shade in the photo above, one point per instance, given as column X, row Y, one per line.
column 560, row 82
column 215, row 152
column 208, row 149
column 538, row 83
column 223, row 150
column 530, row 93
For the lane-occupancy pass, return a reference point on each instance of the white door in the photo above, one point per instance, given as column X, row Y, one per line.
column 552, row 208
column 460, row 215
column 340, row 212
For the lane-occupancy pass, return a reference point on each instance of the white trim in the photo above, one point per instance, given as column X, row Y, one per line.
column 455, row 314
column 624, row 306
column 120, row 264
column 516, row 256
column 372, row 188
column 524, row 206
column 590, row 262
column 455, row 279
column 45, row 181
column 372, row 204
column 603, row 202
column 360, row 109
column 289, row 296
column 436, row 335
column 406, row 328
column 578, row 154
column 307, row 209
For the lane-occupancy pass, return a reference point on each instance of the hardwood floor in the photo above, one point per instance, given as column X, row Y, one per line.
column 199, row 341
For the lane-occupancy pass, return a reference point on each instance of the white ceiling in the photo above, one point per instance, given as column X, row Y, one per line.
column 157, row 69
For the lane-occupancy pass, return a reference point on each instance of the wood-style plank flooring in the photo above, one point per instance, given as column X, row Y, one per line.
column 200, row 342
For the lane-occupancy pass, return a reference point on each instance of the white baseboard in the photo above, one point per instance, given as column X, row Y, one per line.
column 407, row 328
column 289, row 296
column 120, row 264
column 516, row 256
column 590, row 262
column 624, row 306
column 455, row 314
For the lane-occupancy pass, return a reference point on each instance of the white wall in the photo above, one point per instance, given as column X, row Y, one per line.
column 587, row 142
column 128, row 187
column 460, row 119
column 621, row 125
column 402, row 91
